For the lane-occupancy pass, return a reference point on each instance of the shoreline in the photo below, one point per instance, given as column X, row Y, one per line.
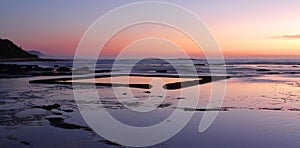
column 28, row 114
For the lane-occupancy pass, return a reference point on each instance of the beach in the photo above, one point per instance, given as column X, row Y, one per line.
column 261, row 108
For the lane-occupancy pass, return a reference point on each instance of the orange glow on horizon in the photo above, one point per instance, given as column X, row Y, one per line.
column 231, row 46
column 141, row 31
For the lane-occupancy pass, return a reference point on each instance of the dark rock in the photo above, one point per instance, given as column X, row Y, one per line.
column 206, row 109
column 164, row 105
column 181, row 98
column 67, row 110
column 161, row 71
column 102, row 71
column 294, row 109
column 16, row 71
column 49, row 107
column 60, row 123
column 56, row 113
column 24, row 142
column 200, row 64
column 265, row 108
column 9, row 50
column 262, row 70
column 273, row 73
column 147, row 92
column 184, row 84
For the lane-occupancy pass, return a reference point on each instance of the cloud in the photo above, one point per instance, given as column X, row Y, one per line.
column 290, row 37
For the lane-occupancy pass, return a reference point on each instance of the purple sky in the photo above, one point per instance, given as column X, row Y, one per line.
column 242, row 28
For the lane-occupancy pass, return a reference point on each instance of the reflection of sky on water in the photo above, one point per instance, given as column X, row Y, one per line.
column 263, row 111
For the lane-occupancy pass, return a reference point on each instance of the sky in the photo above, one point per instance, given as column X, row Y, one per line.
column 256, row 28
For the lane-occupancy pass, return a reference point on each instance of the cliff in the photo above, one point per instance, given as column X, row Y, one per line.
column 9, row 50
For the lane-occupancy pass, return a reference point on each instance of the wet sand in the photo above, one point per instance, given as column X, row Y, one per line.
column 262, row 111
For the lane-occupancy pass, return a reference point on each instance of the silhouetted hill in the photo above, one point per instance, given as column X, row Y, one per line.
column 9, row 50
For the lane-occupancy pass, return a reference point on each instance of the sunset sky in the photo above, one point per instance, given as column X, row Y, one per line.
column 256, row 28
